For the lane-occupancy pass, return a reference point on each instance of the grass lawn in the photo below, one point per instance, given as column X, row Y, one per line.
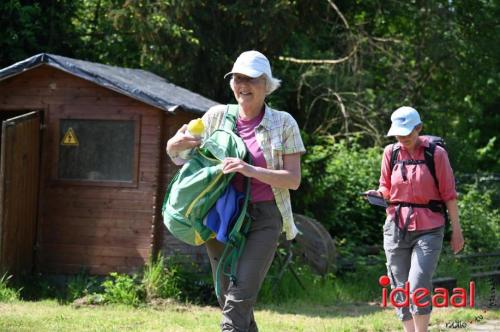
column 51, row 316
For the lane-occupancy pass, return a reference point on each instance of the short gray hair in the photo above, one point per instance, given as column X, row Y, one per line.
column 272, row 83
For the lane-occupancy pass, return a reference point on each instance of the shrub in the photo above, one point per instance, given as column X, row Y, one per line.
column 336, row 172
column 7, row 294
column 480, row 220
column 162, row 282
column 80, row 285
column 188, row 281
column 122, row 288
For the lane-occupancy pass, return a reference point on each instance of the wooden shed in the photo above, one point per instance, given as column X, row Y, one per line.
column 83, row 169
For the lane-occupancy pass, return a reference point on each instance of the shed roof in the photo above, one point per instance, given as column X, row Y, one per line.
column 135, row 83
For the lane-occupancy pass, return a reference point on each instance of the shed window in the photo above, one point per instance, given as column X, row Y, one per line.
column 97, row 150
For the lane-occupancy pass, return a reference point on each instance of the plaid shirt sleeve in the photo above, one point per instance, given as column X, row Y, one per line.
column 292, row 141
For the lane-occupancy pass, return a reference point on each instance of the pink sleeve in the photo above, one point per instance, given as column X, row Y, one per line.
column 444, row 174
column 385, row 172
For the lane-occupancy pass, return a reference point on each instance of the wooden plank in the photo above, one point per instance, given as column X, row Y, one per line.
column 52, row 268
column 109, row 203
column 69, row 89
column 20, row 192
column 70, row 238
column 77, row 111
column 95, row 250
column 140, row 224
column 99, row 193
column 96, row 260
column 97, row 213
column 80, row 102
column 99, row 231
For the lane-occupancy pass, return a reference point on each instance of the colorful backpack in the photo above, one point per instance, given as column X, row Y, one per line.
column 200, row 182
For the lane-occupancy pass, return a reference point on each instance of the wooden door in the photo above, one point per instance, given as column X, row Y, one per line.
column 19, row 171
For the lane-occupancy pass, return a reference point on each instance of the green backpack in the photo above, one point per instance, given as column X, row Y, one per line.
column 200, row 182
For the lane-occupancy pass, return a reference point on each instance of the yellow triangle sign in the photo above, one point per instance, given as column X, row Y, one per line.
column 69, row 138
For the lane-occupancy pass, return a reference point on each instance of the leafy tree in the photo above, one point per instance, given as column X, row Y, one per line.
column 30, row 27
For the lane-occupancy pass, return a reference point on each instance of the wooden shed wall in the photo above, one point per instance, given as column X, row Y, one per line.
column 167, row 244
column 102, row 228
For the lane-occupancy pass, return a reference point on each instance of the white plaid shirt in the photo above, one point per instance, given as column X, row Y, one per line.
column 277, row 134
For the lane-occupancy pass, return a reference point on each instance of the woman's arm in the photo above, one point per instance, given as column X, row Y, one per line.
column 385, row 173
column 288, row 177
column 179, row 142
column 457, row 239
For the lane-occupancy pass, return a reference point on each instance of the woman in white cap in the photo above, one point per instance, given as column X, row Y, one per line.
column 273, row 140
column 418, row 200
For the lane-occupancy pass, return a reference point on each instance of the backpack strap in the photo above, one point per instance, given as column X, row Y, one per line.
column 230, row 117
column 394, row 155
column 429, row 161
column 228, row 262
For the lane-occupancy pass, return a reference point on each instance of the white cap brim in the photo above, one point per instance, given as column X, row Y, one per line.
column 399, row 131
column 247, row 72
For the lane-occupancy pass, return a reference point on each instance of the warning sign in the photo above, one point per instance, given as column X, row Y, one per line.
column 69, row 138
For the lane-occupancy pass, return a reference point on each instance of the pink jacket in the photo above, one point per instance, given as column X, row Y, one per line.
column 419, row 187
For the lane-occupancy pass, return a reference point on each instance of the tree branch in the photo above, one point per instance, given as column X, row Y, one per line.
column 339, row 13
column 319, row 61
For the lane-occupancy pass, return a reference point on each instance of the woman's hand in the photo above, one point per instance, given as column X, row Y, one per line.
column 373, row 193
column 182, row 141
column 457, row 238
column 232, row 165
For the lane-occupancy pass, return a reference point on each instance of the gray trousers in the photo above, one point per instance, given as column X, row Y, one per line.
column 237, row 301
column 412, row 258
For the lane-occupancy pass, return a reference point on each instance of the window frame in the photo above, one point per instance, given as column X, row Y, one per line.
column 134, row 183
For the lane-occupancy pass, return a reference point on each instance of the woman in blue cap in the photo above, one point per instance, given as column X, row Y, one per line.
column 273, row 139
column 414, row 228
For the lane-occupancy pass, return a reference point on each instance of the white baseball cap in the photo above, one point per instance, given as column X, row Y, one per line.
column 404, row 120
column 251, row 64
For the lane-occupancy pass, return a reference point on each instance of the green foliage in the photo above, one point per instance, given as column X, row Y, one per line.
column 179, row 38
column 480, row 220
column 162, row 278
column 282, row 286
column 80, row 285
column 122, row 288
column 31, row 27
column 336, row 172
column 186, row 281
column 422, row 54
column 162, row 282
column 7, row 294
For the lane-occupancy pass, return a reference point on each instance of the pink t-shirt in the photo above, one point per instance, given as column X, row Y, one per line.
column 260, row 191
column 420, row 186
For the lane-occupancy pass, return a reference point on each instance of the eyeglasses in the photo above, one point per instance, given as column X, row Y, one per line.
column 239, row 79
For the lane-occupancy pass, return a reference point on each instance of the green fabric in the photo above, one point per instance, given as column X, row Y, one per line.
column 200, row 182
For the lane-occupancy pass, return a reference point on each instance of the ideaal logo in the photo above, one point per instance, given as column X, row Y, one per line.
column 459, row 324
column 440, row 299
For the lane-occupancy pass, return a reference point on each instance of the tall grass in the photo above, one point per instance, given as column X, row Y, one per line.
column 7, row 294
column 299, row 283
column 160, row 281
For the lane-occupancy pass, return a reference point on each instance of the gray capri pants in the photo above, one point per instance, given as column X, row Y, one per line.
column 237, row 301
column 412, row 258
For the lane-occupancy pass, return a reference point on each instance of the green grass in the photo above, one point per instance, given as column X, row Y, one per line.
column 49, row 315
column 348, row 301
